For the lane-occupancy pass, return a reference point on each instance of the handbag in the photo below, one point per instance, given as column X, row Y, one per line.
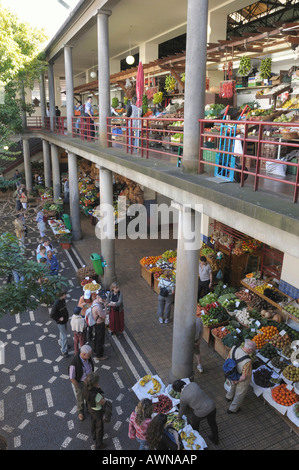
column 107, row 411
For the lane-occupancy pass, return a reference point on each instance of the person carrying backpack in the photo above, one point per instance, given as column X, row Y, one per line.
column 239, row 387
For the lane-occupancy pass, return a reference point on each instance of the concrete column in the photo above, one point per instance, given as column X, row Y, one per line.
column 51, row 95
column 47, row 164
column 195, row 84
column 69, row 84
column 55, row 172
column 42, row 98
column 106, row 232
column 186, row 293
column 74, row 196
column 148, row 52
column 27, row 165
column 103, row 73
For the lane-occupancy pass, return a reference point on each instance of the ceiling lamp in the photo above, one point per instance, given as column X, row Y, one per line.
column 130, row 59
column 93, row 74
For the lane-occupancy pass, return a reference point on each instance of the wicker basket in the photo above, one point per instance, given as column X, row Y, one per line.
column 289, row 135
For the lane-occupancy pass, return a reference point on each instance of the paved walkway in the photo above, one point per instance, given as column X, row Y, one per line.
column 257, row 426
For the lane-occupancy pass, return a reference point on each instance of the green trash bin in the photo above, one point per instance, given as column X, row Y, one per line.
column 97, row 263
column 67, row 221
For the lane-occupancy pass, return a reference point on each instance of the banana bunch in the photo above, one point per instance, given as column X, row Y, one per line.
column 245, row 66
column 145, row 380
column 156, row 388
column 190, row 440
column 265, row 71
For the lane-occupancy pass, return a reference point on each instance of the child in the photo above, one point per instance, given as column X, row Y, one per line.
column 78, row 326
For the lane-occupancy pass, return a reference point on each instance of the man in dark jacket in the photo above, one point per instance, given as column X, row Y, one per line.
column 81, row 365
column 60, row 315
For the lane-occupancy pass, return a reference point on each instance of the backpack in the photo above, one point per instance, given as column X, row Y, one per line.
column 164, row 291
column 230, row 367
column 89, row 319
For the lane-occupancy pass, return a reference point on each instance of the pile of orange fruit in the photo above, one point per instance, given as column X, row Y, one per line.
column 283, row 396
column 264, row 334
column 269, row 331
column 259, row 340
column 149, row 260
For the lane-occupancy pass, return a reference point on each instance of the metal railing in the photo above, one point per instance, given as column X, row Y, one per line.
column 146, row 136
column 261, row 154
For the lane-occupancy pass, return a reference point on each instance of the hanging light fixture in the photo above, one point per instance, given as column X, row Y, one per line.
column 93, row 74
column 130, row 59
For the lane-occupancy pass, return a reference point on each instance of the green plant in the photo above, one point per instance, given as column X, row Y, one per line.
column 144, row 104
column 170, row 82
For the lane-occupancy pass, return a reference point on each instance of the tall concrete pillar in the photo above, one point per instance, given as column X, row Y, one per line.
column 106, row 233
column 27, row 165
column 55, row 172
column 103, row 73
column 69, row 83
column 186, row 293
column 195, row 83
column 51, row 95
column 74, row 196
column 47, row 164
column 42, row 99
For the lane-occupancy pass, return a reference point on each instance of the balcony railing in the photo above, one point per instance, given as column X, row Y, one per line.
column 261, row 154
column 246, row 152
column 146, row 136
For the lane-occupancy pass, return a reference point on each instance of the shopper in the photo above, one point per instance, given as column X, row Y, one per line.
column 81, row 365
column 165, row 298
column 24, row 198
column 139, row 422
column 162, row 436
column 60, row 315
column 238, row 388
column 116, row 310
column 53, row 263
column 78, row 327
column 42, row 254
column 41, row 223
column 196, row 405
column 99, row 315
column 84, row 303
column 95, row 401
column 205, row 277
column 19, row 229
column 198, row 338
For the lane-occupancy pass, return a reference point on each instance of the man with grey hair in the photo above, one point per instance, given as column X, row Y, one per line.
column 238, row 388
column 80, row 366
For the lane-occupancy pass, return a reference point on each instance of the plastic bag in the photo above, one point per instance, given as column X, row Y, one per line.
column 277, row 169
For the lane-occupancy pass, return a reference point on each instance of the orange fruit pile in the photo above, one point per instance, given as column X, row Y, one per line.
column 269, row 331
column 259, row 340
column 283, row 396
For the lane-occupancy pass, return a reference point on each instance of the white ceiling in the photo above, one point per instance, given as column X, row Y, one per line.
column 131, row 22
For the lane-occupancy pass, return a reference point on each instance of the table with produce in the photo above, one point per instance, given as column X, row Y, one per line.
column 230, row 315
column 166, row 400
column 58, row 227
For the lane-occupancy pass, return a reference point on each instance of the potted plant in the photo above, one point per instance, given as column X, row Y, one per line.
column 65, row 241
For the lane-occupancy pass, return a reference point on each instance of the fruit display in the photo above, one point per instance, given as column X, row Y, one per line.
column 292, row 310
column 283, row 396
column 291, row 373
column 244, row 66
column 265, row 68
column 149, row 261
column 145, row 380
column 177, row 423
column 163, row 405
column 283, row 118
column 296, row 410
column 280, row 341
column 189, row 440
column 259, row 340
column 269, row 331
column 268, row 351
column 287, row 351
column 262, row 377
column 293, row 334
column 92, row 286
column 174, row 394
column 156, row 387
column 278, row 363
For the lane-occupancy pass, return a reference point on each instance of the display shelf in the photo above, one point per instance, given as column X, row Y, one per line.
column 262, row 296
column 276, row 260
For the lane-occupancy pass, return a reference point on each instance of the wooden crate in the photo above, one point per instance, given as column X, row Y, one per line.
column 147, row 275
column 220, row 348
